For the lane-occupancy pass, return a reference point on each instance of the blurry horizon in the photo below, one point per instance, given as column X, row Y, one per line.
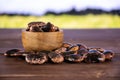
column 40, row 7
column 77, row 14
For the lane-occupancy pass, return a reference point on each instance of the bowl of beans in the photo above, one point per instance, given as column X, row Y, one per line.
column 41, row 36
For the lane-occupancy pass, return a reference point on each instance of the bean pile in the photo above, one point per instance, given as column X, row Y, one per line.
column 41, row 27
column 75, row 53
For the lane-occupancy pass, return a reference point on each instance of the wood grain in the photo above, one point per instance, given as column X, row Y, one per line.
column 36, row 41
column 18, row 69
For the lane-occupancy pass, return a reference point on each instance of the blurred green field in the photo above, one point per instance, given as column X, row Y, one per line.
column 64, row 21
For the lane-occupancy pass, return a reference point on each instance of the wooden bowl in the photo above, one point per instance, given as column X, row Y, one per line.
column 37, row 41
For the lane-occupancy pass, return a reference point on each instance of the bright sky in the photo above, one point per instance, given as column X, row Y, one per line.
column 39, row 7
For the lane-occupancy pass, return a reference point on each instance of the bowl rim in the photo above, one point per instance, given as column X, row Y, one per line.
column 24, row 30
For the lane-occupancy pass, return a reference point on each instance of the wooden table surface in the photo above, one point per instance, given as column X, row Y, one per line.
column 18, row 69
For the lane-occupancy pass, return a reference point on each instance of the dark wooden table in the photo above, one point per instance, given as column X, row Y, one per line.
column 18, row 69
